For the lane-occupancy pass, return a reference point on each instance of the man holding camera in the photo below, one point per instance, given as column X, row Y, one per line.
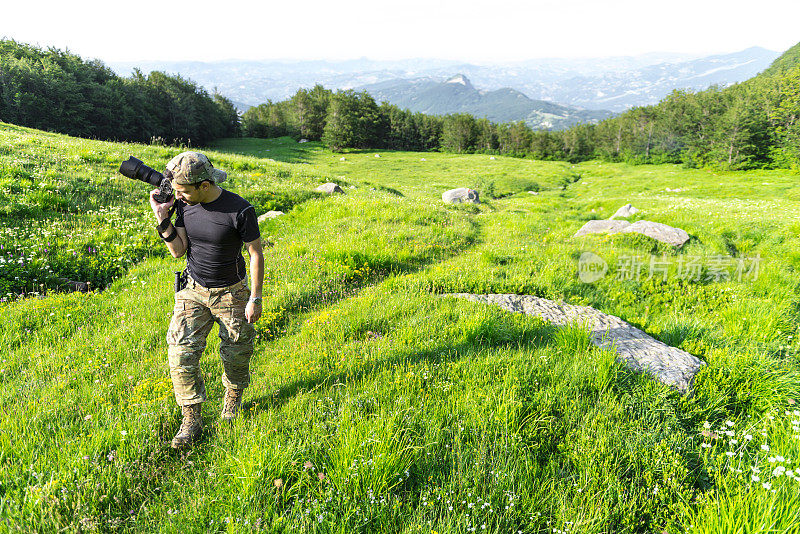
column 211, row 226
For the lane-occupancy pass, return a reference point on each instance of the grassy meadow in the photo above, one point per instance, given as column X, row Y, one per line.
column 378, row 404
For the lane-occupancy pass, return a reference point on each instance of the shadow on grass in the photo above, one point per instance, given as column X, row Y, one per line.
column 538, row 337
column 333, row 291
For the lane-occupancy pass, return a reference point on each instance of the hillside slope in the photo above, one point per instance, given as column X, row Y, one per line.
column 787, row 61
column 748, row 125
column 376, row 403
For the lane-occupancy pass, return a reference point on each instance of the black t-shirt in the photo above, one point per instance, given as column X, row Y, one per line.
column 216, row 233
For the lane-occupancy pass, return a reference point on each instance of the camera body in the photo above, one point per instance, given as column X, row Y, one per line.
column 136, row 170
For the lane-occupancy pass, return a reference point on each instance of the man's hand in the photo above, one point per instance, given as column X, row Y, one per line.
column 252, row 311
column 161, row 210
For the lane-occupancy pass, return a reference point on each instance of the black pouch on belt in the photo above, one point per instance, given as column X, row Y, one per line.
column 180, row 280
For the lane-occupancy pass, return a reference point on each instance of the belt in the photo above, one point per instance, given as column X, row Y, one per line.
column 191, row 282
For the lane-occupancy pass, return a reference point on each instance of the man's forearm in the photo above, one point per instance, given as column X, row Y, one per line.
column 256, row 274
column 176, row 246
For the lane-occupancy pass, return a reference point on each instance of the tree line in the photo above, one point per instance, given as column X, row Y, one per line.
column 753, row 124
column 57, row 91
column 349, row 119
column 748, row 125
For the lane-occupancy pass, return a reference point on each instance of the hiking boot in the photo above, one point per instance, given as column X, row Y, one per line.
column 191, row 426
column 231, row 404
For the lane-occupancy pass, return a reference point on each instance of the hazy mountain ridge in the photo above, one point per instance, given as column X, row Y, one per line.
column 614, row 83
column 458, row 95
column 648, row 85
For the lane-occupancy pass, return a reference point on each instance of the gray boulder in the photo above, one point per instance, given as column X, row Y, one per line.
column 329, row 188
column 625, row 211
column 460, row 195
column 635, row 349
column 661, row 232
column 75, row 285
column 270, row 215
column 602, row 227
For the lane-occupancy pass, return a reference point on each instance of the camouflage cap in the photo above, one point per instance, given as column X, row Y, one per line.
column 192, row 168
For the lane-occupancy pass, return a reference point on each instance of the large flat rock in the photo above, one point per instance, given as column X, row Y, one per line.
column 638, row 351
column 661, row 232
column 602, row 226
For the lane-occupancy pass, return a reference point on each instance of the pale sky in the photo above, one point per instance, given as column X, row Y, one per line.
column 481, row 32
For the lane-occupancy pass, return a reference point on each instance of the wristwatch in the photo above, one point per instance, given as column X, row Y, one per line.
column 255, row 300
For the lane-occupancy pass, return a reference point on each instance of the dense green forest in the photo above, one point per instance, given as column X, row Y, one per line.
column 753, row 124
column 58, row 91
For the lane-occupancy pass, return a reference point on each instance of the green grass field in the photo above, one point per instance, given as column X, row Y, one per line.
column 378, row 405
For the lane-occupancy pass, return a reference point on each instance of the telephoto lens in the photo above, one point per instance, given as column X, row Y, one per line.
column 136, row 170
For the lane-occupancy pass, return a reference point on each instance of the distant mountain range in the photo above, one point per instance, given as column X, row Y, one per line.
column 615, row 83
column 457, row 95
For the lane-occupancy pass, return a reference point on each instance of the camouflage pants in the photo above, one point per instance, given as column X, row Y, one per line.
column 196, row 310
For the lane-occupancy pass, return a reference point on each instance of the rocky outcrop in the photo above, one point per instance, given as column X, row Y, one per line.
column 661, row 232
column 625, row 211
column 270, row 215
column 601, row 226
column 461, row 195
column 329, row 188
column 638, row 351
column 74, row 285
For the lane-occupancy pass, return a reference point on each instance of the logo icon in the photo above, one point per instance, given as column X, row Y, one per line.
column 591, row 267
